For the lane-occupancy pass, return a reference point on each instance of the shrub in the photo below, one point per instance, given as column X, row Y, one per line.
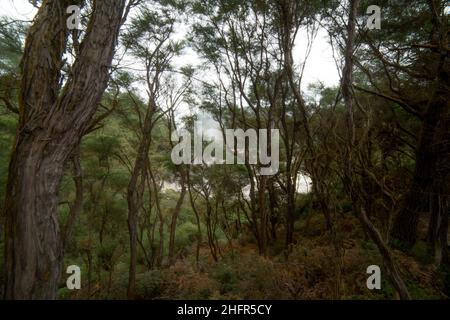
column 421, row 252
column 149, row 285
column 227, row 278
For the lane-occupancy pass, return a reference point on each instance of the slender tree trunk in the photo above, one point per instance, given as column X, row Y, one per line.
column 391, row 266
column 135, row 193
column 290, row 219
column 262, row 215
column 160, row 253
column 160, row 257
column 197, row 218
column 173, row 223
column 210, row 232
column 273, row 214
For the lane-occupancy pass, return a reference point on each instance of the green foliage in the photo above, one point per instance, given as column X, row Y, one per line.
column 227, row 278
column 150, row 284
column 12, row 35
column 421, row 251
column 186, row 234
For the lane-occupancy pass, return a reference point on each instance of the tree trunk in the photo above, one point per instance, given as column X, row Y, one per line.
column 388, row 259
column 262, row 215
column 290, row 207
column 135, row 193
column 176, row 213
column 197, row 218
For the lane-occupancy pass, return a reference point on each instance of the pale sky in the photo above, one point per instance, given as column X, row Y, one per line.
column 17, row 9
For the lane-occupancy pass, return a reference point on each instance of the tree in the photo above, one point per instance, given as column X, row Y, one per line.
column 426, row 185
column 350, row 179
column 53, row 119
column 149, row 39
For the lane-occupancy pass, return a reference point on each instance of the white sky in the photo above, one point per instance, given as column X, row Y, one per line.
column 17, row 9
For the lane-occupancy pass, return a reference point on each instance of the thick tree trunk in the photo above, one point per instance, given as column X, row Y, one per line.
column 33, row 247
column 51, row 126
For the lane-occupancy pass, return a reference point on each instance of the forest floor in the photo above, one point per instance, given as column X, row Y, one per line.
column 310, row 271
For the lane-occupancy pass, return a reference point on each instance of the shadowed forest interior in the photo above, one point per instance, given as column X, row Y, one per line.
column 93, row 102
